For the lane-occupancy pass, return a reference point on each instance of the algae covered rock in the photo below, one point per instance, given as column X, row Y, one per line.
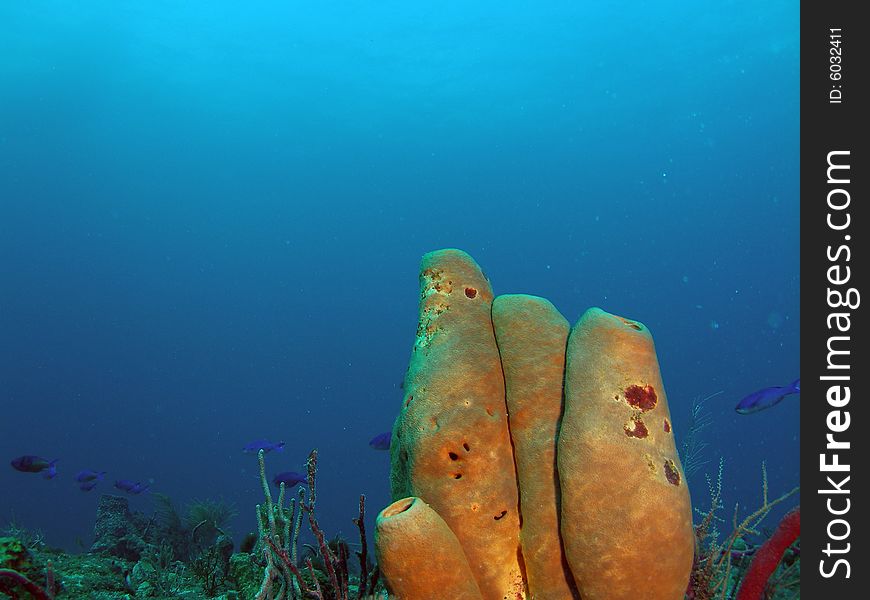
column 117, row 532
column 91, row 576
column 245, row 574
column 13, row 555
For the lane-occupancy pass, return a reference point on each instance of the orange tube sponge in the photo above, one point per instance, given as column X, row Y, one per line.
column 531, row 336
column 626, row 512
column 451, row 445
column 419, row 556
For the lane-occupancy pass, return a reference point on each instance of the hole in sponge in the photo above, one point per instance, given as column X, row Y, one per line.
column 633, row 325
column 398, row 507
column 453, row 456
column 457, row 476
column 466, row 446
column 470, row 292
column 500, row 515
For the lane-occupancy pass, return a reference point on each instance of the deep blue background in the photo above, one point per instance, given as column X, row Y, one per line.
column 212, row 214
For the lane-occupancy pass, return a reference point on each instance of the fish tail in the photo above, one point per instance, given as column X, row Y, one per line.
column 796, row 385
column 52, row 469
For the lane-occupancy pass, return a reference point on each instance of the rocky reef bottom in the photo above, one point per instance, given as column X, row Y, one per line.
column 167, row 555
column 170, row 555
column 57, row 574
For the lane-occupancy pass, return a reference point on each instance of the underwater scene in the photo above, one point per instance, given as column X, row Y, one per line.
column 399, row 300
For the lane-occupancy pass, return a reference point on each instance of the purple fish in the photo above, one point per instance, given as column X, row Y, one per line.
column 35, row 464
column 87, row 475
column 767, row 397
column 264, row 445
column 381, row 441
column 87, row 486
column 288, row 478
column 131, row 487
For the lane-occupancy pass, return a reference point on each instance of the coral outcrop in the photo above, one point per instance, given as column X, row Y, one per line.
column 536, row 451
column 118, row 532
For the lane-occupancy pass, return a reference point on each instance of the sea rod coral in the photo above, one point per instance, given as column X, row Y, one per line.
column 279, row 528
column 537, row 460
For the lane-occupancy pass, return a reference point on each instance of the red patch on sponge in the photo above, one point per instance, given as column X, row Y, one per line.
column 667, row 426
column 671, row 473
column 643, row 398
column 636, row 428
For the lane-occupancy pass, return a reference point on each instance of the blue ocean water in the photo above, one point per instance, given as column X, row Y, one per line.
column 212, row 216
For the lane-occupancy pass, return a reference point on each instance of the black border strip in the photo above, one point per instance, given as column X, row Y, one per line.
column 834, row 229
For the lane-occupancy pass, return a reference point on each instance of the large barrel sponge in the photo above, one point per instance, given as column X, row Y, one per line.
column 626, row 512
column 532, row 335
column 451, row 445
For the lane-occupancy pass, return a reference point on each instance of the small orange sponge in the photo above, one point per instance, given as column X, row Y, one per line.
column 419, row 556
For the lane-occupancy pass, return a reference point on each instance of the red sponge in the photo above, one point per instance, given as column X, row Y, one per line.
column 768, row 556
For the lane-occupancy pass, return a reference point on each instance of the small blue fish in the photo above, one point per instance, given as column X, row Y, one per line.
column 381, row 441
column 131, row 487
column 88, row 475
column 264, row 445
column 289, row 479
column 35, row 464
column 766, row 398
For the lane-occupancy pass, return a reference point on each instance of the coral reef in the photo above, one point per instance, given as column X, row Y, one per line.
column 529, row 460
column 719, row 566
column 135, row 556
column 536, row 449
